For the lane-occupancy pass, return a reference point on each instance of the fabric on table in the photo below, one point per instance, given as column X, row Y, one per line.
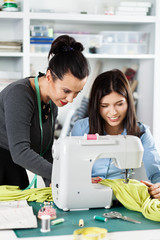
column 134, row 196
column 9, row 193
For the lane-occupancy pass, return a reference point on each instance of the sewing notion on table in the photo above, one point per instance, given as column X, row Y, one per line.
column 74, row 157
column 47, row 209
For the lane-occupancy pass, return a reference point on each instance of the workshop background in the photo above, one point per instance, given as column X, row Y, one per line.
column 115, row 33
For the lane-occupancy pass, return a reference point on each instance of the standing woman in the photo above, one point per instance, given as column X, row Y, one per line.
column 112, row 112
column 28, row 110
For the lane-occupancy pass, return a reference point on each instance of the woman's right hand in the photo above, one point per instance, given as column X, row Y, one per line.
column 153, row 189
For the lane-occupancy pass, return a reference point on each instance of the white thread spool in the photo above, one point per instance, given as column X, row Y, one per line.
column 45, row 223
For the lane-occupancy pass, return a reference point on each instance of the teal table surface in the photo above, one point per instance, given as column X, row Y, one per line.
column 72, row 218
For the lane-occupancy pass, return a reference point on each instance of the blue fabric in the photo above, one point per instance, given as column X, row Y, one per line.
column 105, row 168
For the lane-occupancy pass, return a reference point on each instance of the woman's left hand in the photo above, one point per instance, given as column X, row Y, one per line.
column 96, row 179
column 153, row 189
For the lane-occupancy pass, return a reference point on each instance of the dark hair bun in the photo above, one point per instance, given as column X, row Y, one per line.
column 65, row 43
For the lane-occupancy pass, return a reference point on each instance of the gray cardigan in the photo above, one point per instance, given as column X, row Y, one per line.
column 20, row 128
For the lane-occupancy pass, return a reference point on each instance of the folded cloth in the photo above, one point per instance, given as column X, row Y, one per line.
column 134, row 196
column 8, row 193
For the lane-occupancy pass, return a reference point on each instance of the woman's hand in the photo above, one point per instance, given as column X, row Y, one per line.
column 153, row 189
column 96, row 179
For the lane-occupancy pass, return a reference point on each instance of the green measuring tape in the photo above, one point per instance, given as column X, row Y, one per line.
column 34, row 180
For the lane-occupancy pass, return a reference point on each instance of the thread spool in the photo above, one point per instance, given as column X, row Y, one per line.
column 57, row 221
column 81, row 223
column 103, row 219
column 45, row 223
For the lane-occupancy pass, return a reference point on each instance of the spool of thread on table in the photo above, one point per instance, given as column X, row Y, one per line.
column 57, row 221
column 81, row 223
column 103, row 219
column 45, row 223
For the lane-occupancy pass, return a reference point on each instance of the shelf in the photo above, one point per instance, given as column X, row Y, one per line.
column 91, row 18
column 16, row 25
column 115, row 56
column 12, row 15
column 104, row 56
column 11, row 54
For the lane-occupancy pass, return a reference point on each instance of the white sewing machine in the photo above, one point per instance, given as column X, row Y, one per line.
column 72, row 187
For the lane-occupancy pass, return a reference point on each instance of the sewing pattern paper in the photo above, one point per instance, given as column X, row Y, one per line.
column 16, row 214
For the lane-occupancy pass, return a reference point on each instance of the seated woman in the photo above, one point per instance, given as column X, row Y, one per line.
column 112, row 112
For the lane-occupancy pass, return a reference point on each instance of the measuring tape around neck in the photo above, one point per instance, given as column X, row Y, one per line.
column 40, row 115
column 39, row 108
column 34, row 180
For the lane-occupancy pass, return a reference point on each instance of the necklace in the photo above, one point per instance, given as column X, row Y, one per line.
column 46, row 109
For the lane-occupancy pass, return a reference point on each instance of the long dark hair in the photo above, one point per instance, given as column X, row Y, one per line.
column 104, row 84
column 66, row 56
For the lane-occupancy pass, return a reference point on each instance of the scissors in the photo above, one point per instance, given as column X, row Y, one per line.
column 120, row 216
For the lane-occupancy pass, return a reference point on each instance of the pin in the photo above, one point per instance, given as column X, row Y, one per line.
column 57, row 221
column 100, row 218
column 81, row 223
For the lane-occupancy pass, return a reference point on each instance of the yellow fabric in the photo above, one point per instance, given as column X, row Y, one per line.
column 135, row 196
column 9, row 193
column 90, row 233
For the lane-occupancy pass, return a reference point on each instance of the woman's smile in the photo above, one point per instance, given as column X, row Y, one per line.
column 63, row 103
column 113, row 119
